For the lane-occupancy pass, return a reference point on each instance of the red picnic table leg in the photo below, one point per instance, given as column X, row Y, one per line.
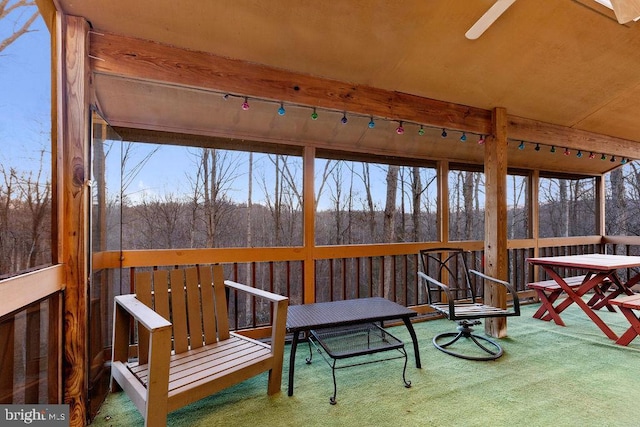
column 576, row 296
column 602, row 299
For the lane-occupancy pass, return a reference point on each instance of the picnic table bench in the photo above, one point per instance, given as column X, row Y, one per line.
column 548, row 292
column 627, row 304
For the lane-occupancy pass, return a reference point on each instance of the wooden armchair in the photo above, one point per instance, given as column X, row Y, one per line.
column 185, row 349
column 457, row 298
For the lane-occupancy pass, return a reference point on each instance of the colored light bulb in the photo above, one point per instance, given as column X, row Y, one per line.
column 400, row 129
column 421, row 131
column 281, row 110
column 344, row 119
column 245, row 104
column 371, row 124
column 444, row 133
column 314, row 115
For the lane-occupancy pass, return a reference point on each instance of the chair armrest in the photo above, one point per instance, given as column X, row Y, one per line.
column 127, row 307
column 278, row 316
column 433, row 281
column 256, row 292
column 148, row 318
column 443, row 288
column 510, row 288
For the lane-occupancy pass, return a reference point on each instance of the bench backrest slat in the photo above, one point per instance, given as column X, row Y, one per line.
column 222, row 314
column 207, row 311
column 179, row 311
column 193, row 299
column 193, row 307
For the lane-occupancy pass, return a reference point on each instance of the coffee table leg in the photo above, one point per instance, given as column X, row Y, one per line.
column 292, row 361
column 412, row 332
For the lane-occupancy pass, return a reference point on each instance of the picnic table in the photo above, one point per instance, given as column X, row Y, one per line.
column 601, row 270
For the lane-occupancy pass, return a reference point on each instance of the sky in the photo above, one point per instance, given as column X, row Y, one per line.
column 25, row 91
column 25, row 97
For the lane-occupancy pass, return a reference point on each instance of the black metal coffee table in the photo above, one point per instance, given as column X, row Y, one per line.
column 304, row 318
column 347, row 342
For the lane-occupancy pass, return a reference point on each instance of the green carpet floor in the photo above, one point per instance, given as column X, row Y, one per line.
column 548, row 376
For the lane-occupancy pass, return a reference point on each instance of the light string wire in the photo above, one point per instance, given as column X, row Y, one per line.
column 400, row 129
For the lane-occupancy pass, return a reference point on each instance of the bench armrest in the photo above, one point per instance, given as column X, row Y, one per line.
column 126, row 308
column 254, row 291
column 278, row 314
column 148, row 318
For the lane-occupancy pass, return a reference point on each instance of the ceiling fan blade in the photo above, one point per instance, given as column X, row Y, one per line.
column 626, row 10
column 489, row 18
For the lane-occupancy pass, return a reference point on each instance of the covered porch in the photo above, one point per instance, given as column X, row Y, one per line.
column 544, row 93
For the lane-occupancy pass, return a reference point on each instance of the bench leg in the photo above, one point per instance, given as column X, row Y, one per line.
column 546, row 311
column 634, row 329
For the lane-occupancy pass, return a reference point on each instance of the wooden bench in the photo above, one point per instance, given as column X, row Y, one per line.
column 548, row 292
column 627, row 304
column 185, row 349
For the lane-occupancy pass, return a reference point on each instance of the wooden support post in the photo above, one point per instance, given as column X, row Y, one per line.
column 309, row 198
column 495, row 237
column 73, row 196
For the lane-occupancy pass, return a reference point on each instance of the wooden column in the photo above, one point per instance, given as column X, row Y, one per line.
column 73, row 155
column 309, row 225
column 534, row 216
column 495, row 236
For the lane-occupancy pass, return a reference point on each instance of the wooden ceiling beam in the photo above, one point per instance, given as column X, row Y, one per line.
column 520, row 128
column 146, row 60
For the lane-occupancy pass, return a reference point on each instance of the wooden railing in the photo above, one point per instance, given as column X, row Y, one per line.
column 31, row 315
column 30, row 337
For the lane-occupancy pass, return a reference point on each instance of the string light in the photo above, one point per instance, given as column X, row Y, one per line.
column 421, row 130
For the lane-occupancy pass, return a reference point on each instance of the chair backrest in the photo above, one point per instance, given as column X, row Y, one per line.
column 193, row 299
column 449, row 266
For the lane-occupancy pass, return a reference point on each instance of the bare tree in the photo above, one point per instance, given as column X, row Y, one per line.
column 388, row 225
column 7, row 190
column 24, row 13
column 219, row 169
column 37, row 195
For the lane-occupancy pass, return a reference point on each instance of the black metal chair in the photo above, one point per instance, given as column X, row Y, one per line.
column 458, row 300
